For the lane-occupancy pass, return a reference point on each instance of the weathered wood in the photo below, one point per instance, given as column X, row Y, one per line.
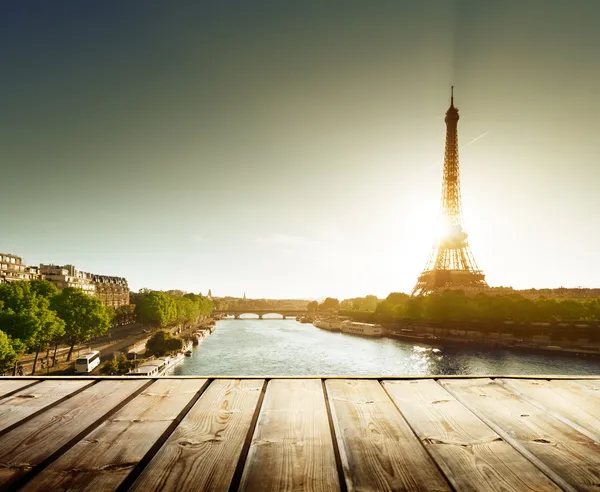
column 292, row 448
column 32, row 399
column 8, row 386
column 203, row 451
column 324, row 376
column 35, row 440
column 590, row 388
column 565, row 404
column 570, row 458
column 378, row 450
column 104, row 458
column 470, row 454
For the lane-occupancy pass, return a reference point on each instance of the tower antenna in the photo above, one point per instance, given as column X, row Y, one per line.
column 451, row 95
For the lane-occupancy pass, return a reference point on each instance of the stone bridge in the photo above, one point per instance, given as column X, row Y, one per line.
column 259, row 312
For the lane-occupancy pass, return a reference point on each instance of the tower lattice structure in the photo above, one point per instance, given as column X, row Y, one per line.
column 451, row 264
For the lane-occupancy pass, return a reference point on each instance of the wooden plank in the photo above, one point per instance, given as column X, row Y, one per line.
column 35, row 398
column 471, row 455
column 292, row 447
column 568, row 406
column 203, row 451
column 378, row 450
column 587, row 387
column 34, row 441
column 104, row 458
column 568, row 457
column 325, row 376
column 8, row 386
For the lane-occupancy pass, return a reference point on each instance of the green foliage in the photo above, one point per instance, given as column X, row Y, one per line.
column 368, row 303
column 329, row 304
column 124, row 314
column 8, row 354
column 26, row 316
column 162, row 342
column 454, row 305
column 312, row 306
column 156, row 309
column 84, row 316
column 117, row 366
column 161, row 309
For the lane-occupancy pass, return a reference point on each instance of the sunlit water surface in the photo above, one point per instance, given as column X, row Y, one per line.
column 276, row 347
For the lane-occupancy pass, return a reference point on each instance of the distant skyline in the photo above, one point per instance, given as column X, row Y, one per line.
column 294, row 149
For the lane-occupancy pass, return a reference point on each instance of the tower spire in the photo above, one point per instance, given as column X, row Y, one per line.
column 451, row 264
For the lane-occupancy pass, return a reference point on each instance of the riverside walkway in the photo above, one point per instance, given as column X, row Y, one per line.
column 321, row 434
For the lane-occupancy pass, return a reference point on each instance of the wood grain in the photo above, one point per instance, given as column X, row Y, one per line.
column 8, row 386
column 590, row 388
column 30, row 400
column 378, row 449
column 203, row 451
column 471, row 455
column 292, row 448
column 566, row 404
column 35, row 440
column 570, row 458
column 104, row 458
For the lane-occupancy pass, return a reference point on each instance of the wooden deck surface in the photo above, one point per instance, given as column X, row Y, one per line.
column 318, row 434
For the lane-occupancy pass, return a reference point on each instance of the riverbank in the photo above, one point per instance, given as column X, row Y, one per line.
column 582, row 340
column 120, row 340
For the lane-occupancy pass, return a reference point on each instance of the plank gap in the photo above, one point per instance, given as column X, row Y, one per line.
column 35, row 470
column 336, row 449
column 48, row 407
column 139, row 467
column 21, row 388
column 239, row 469
column 431, row 457
column 551, row 474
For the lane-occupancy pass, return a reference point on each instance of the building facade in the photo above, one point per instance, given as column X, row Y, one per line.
column 112, row 291
column 12, row 269
column 68, row 276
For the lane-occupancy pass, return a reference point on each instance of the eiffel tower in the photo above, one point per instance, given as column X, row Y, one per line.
column 451, row 264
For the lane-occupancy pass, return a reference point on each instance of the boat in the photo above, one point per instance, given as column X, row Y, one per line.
column 327, row 324
column 364, row 329
column 157, row 367
column 188, row 353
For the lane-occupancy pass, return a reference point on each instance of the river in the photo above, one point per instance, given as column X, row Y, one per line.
column 276, row 347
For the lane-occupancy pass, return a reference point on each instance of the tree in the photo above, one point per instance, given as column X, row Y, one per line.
column 162, row 342
column 124, row 314
column 43, row 288
column 117, row 366
column 8, row 354
column 26, row 315
column 156, row 309
column 329, row 304
column 84, row 316
column 312, row 306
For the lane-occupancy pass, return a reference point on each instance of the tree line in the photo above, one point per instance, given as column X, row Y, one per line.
column 162, row 309
column 454, row 305
column 35, row 316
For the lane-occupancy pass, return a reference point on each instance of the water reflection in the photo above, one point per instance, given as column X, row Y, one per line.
column 252, row 347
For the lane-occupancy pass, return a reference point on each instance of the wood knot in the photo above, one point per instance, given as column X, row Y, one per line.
column 27, row 396
column 543, row 441
column 439, row 401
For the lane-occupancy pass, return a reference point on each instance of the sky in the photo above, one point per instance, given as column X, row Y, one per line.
column 295, row 149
